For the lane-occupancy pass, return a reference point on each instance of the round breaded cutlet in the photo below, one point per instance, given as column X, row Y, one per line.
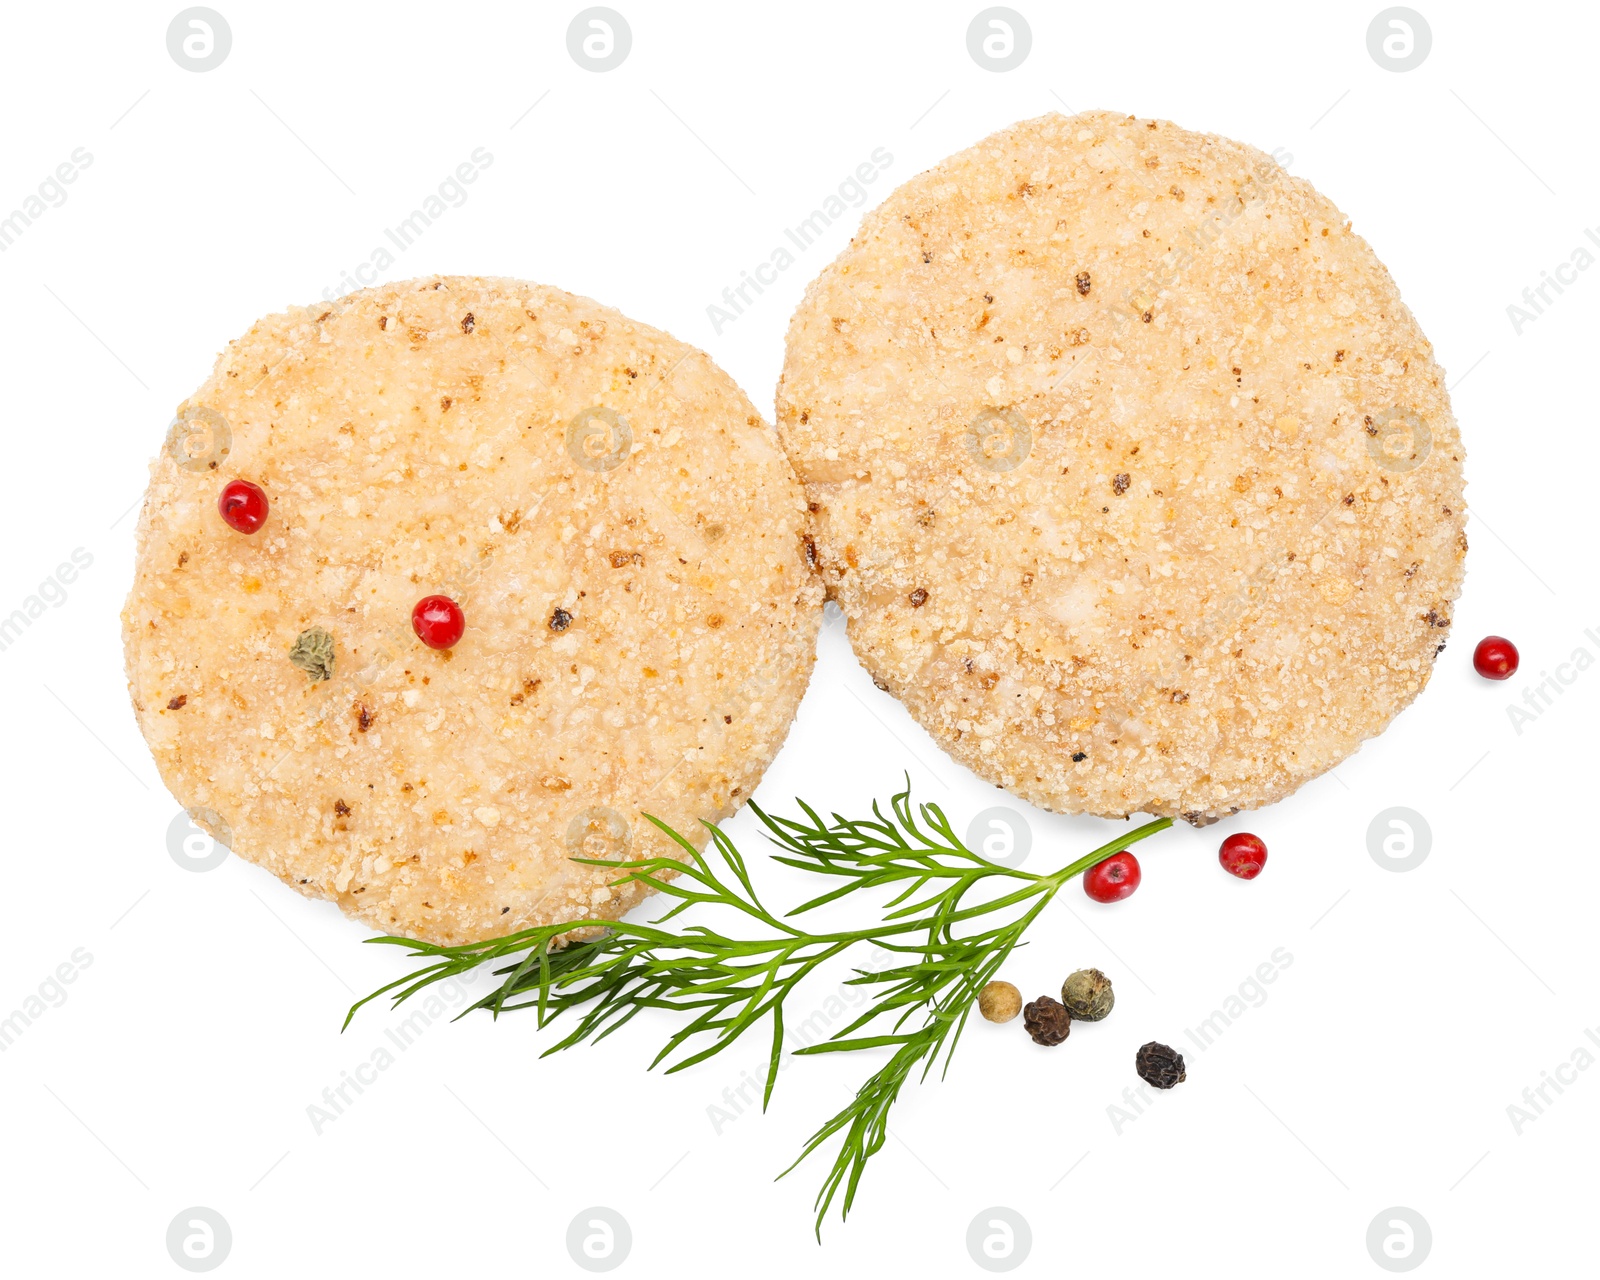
column 1137, row 483
column 621, row 529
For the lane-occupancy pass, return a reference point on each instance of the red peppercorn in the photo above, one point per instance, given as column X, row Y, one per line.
column 1243, row 855
column 1495, row 658
column 438, row 621
column 242, row 505
column 1114, row 879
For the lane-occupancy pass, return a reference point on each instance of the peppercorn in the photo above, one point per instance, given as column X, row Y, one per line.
column 999, row 1001
column 313, row 653
column 1160, row 1065
column 1087, row 995
column 1047, row 1021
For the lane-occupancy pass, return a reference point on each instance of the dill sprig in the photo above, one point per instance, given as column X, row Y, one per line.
column 605, row 972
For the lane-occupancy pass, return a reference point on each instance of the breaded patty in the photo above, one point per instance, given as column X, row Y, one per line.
column 1135, row 479
column 620, row 528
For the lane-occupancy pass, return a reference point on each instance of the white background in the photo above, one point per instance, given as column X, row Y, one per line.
column 1379, row 1069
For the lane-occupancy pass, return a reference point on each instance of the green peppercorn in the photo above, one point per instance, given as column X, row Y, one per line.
column 312, row 652
column 1088, row 995
column 999, row 1002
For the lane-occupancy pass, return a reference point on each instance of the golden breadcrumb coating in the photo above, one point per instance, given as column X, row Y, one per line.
column 1135, row 479
column 619, row 526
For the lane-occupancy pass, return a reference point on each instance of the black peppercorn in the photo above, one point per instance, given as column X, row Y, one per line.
column 1046, row 1020
column 1160, row 1065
